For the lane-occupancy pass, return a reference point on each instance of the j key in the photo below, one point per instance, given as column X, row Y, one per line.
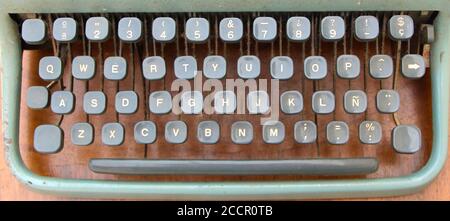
column 64, row 29
column 401, row 27
column 231, row 29
column 34, row 31
column 264, row 28
column 332, row 28
column 97, row 29
column 163, row 29
column 366, row 28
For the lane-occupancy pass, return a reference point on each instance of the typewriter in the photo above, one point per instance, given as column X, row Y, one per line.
column 225, row 99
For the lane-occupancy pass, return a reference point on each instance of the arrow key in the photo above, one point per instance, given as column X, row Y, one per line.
column 413, row 66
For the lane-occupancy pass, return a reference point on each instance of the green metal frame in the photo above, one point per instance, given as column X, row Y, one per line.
column 11, row 79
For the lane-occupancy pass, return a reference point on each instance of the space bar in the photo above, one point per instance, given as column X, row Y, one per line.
column 323, row 166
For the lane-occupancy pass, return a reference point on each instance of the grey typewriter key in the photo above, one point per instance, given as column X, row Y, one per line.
column 192, row 102
column 115, row 68
column 208, row 132
column 401, row 27
column 337, row 132
column 381, row 66
column 160, row 102
column 241, row 132
column 413, row 66
column 97, row 29
column 83, row 67
column 281, row 67
column 130, row 29
column 406, row 138
column 332, row 28
column 214, row 67
column 291, row 102
column 145, row 132
column 154, row 68
column 315, row 67
column 366, row 28
column 348, row 66
column 273, row 132
column 323, row 102
column 224, row 102
column 305, row 131
column 37, row 97
column 82, row 134
column 163, row 29
column 64, row 29
column 197, row 29
column 50, row 68
column 48, row 139
column 126, row 102
column 355, row 101
column 231, row 29
column 94, row 102
column 370, row 132
column 34, row 31
column 265, row 28
column 62, row 102
column 248, row 66
column 113, row 134
column 257, row 102
column 176, row 132
column 185, row 67
column 298, row 28
column 388, row 101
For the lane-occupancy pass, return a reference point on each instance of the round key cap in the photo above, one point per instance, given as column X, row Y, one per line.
column 298, row 28
column 366, row 28
column 97, row 29
column 264, row 28
column 130, row 29
column 231, row 29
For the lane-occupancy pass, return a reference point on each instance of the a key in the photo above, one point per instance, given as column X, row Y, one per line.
column 130, row 29
column 48, row 139
column 291, row 102
column 248, row 66
column 154, row 68
column 62, row 102
column 192, row 102
column 37, row 97
column 164, row 29
column 94, row 102
column 50, row 68
column 366, row 28
column 323, row 102
column 64, row 29
column 355, row 101
column 97, row 29
column 281, row 67
column 34, row 31
column 224, row 102
column 126, row 102
column 83, row 67
column 370, row 132
column 185, row 67
column 257, row 102
column 160, row 102
column 264, row 28
column 348, row 66
column 401, row 27
column 241, row 132
column 337, row 132
column 115, row 68
column 413, row 66
column 208, row 132
column 214, row 67
column 332, row 28
column 381, row 66
column 406, row 138
column 113, row 134
column 145, row 132
column 305, row 131
column 315, row 67
column 298, row 28
column 176, row 132
column 82, row 134
column 388, row 101
column 231, row 29
column 197, row 29
column 273, row 132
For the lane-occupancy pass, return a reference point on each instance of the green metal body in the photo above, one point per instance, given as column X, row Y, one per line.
column 11, row 79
